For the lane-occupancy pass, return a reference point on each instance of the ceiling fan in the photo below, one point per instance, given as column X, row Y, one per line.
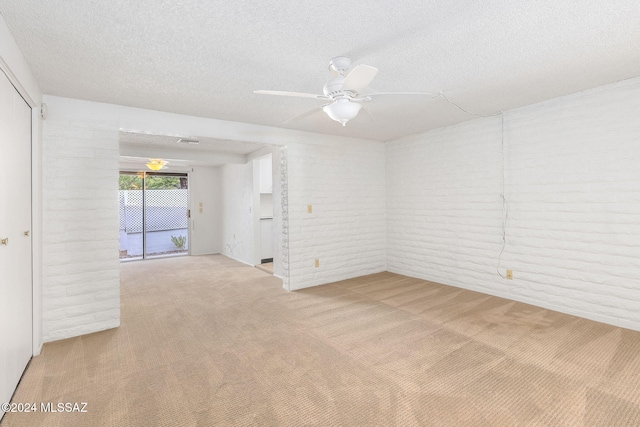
column 344, row 91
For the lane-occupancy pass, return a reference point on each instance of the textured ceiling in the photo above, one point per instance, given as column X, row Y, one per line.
column 205, row 58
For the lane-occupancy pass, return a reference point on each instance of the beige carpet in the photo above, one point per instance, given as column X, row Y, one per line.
column 207, row 341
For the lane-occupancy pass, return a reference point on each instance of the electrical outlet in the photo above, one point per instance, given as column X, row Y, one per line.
column 510, row 274
column 317, row 262
column 309, row 209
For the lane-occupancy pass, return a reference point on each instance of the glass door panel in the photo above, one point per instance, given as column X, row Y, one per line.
column 166, row 203
column 153, row 215
column 131, row 220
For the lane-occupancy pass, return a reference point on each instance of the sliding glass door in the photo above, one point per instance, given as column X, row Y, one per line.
column 154, row 215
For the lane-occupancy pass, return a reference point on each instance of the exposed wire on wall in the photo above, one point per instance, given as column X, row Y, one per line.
column 505, row 207
column 446, row 98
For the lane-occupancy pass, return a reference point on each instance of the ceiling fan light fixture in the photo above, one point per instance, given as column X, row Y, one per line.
column 156, row 164
column 342, row 110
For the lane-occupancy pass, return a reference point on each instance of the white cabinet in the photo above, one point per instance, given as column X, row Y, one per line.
column 266, row 176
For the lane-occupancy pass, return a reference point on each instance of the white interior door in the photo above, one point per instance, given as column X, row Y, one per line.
column 16, row 303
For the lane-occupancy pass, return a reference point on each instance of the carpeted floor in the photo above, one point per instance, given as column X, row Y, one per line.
column 208, row 341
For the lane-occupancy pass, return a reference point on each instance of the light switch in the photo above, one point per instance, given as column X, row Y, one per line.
column 309, row 209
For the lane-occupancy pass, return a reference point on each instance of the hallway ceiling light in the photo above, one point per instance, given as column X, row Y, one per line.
column 156, row 164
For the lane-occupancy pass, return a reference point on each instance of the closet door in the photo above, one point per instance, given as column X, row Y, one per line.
column 16, row 303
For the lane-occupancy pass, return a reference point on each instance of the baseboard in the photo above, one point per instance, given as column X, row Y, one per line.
column 239, row 260
column 38, row 350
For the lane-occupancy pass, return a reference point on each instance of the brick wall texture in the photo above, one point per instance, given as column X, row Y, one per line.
column 345, row 186
column 81, row 271
column 568, row 169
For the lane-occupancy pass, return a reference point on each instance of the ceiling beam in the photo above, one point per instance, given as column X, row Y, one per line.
column 192, row 156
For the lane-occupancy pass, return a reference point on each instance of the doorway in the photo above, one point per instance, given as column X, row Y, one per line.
column 263, row 171
column 154, row 215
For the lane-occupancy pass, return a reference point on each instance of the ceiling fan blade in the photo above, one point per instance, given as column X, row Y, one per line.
column 359, row 78
column 297, row 94
column 304, row 115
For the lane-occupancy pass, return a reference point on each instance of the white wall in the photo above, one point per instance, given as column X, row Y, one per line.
column 81, row 284
column 444, row 211
column 346, row 231
column 205, row 199
column 573, row 199
column 238, row 233
column 266, row 174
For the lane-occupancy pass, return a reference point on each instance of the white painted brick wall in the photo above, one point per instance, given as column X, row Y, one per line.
column 81, row 272
column 345, row 184
column 573, row 191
